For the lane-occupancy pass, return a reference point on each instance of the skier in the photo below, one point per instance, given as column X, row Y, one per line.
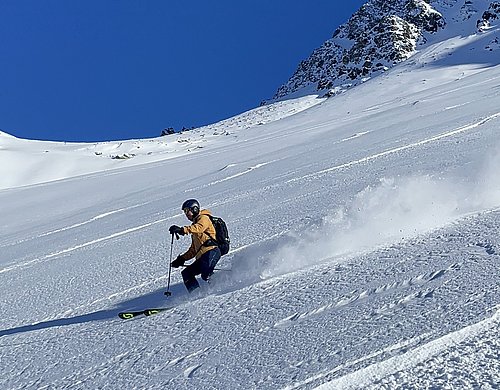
column 203, row 246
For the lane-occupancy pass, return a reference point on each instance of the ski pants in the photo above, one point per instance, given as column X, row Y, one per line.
column 204, row 265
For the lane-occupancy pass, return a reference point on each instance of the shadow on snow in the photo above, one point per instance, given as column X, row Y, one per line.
column 246, row 266
column 153, row 299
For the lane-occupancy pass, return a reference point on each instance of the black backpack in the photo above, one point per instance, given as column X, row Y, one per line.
column 221, row 234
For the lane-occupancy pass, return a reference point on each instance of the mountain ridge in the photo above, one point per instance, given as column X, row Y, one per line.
column 382, row 34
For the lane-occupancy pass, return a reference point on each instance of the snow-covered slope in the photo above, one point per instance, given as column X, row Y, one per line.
column 25, row 162
column 365, row 247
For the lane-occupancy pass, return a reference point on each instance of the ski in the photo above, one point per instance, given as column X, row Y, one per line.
column 128, row 315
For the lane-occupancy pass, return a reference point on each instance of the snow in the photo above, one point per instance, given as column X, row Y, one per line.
column 27, row 162
column 365, row 243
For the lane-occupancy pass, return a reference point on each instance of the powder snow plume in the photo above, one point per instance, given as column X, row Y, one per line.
column 396, row 209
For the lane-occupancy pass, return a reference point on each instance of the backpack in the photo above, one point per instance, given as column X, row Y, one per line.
column 221, row 234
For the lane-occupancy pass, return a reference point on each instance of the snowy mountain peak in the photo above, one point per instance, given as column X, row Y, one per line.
column 382, row 34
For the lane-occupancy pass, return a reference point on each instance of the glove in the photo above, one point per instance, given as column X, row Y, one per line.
column 179, row 262
column 174, row 229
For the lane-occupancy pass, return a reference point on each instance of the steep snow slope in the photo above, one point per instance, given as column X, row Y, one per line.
column 365, row 251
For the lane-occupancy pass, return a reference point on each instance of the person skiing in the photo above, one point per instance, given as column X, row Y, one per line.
column 203, row 245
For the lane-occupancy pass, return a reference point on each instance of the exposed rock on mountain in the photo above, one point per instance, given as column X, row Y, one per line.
column 492, row 13
column 379, row 35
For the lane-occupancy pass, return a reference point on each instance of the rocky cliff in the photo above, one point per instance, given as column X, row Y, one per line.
column 381, row 34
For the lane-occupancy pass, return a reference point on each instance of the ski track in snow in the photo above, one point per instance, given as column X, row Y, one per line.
column 74, row 226
column 372, row 376
column 451, row 133
column 253, row 168
column 393, row 348
column 51, row 256
column 419, row 280
column 236, row 175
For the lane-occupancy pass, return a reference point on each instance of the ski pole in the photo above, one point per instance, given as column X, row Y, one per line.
column 168, row 293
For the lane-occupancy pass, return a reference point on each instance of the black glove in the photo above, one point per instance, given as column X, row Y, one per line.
column 179, row 262
column 174, row 229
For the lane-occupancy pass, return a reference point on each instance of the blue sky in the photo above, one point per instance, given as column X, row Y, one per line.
column 120, row 69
